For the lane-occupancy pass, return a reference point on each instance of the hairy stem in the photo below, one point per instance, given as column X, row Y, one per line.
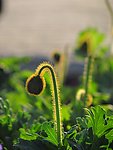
column 87, row 76
column 56, row 100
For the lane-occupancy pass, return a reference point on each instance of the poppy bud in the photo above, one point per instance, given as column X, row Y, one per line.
column 35, row 84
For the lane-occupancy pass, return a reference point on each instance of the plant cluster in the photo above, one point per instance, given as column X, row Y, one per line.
column 78, row 118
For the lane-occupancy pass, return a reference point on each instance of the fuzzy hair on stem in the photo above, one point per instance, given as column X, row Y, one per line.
column 38, row 76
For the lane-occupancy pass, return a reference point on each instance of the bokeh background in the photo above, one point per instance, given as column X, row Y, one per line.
column 37, row 27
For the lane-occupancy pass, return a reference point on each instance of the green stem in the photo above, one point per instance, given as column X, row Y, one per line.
column 57, row 103
column 87, row 76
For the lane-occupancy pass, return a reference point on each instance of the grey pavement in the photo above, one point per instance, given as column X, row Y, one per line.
column 37, row 27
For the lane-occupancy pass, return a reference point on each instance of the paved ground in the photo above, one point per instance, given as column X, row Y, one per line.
column 36, row 27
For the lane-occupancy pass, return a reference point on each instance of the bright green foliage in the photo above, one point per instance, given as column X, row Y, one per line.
column 13, row 63
column 50, row 131
column 30, row 134
column 109, row 135
column 22, row 126
column 90, row 42
column 93, row 132
column 41, row 132
column 99, row 121
column 10, row 123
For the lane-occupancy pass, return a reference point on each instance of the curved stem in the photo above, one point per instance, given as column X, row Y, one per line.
column 56, row 100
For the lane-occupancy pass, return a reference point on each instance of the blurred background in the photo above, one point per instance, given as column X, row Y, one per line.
column 76, row 36
column 37, row 27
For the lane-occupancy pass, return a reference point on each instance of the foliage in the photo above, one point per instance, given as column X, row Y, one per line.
column 26, row 122
column 90, row 42
column 90, row 132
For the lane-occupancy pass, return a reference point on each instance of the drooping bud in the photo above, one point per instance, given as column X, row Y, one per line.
column 35, row 84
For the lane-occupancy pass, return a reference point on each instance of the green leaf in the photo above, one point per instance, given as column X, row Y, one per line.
column 30, row 134
column 99, row 121
column 91, row 39
column 50, row 131
column 27, row 135
column 109, row 136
